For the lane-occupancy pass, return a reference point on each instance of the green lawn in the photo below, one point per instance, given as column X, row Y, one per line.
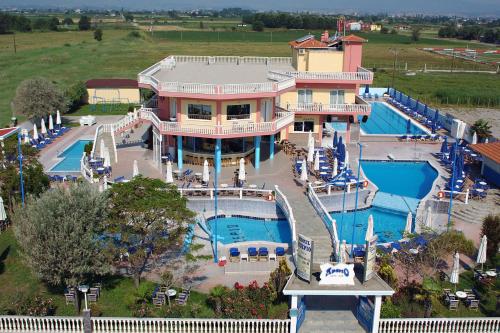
column 65, row 57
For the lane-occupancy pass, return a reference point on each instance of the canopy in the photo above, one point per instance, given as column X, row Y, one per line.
column 135, row 170
column 206, row 172
column 168, row 175
column 303, row 171
column 241, row 172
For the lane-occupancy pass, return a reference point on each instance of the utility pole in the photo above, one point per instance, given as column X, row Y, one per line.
column 395, row 52
column 14, row 39
column 452, row 59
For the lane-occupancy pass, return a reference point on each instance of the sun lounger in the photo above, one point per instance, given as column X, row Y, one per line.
column 234, row 254
column 263, row 254
column 253, row 255
column 280, row 251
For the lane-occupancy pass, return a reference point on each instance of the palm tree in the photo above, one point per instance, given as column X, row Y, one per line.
column 482, row 129
column 216, row 294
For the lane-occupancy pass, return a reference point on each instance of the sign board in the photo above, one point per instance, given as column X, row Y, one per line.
column 304, row 257
column 371, row 252
column 339, row 274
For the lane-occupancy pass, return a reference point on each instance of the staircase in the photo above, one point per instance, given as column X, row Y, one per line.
column 109, row 142
column 476, row 210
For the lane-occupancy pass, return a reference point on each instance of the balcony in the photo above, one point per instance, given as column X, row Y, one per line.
column 237, row 129
column 359, row 108
column 362, row 76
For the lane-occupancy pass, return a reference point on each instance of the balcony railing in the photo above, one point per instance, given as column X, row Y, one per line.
column 329, row 108
column 361, row 75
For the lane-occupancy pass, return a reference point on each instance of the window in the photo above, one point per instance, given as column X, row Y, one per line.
column 199, row 111
column 238, row 111
column 303, row 126
column 305, row 96
column 337, row 97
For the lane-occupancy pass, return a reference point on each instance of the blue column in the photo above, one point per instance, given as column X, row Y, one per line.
column 257, row 151
column 271, row 147
column 179, row 152
column 218, row 155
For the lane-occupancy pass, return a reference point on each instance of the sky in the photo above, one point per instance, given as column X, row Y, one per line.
column 433, row 7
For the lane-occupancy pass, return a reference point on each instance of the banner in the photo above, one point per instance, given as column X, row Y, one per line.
column 371, row 252
column 304, row 257
column 339, row 274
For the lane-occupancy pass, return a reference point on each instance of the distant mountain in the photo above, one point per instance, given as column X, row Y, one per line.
column 431, row 7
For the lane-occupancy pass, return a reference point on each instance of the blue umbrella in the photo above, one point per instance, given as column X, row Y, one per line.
column 425, row 111
column 388, row 92
column 444, row 146
column 342, row 153
column 436, row 116
column 408, row 126
column 335, row 139
column 408, row 101
column 339, row 143
column 367, row 89
column 400, row 96
column 416, row 105
column 433, row 128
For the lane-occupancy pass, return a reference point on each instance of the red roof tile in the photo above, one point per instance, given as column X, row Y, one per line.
column 308, row 44
column 6, row 132
column 489, row 150
column 353, row 38
column 111, row 83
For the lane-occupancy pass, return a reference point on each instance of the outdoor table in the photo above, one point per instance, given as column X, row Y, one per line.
column 171, row 292
column 483, row 183
column 413, row 251
column 473, row 155
column 223, row 185
column 197, row 175
column 461, row 294
column 491, row 273
column 318, row 182
column 480, row 190
column 244, row 257
column 164, row 158
column 252, row 186
column 198, row 186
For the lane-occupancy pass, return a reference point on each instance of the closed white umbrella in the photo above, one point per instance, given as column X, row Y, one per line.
column 102, row 148
column 335, row 167
column 107, row 158
column 51, row 122
column 454, row 270
column 35, row 132
column 310, row 151
column 481, row 255
column 169, row 177
column 241, row 173
column 316, row 162
column 343, row 252
column 309, row 138
column 486, row 140
column 105, row 182
column 3, row 215
column 369, row 229
column 26, row 138
column 206, row 172
column 135, row 170
column 428, row 218
column 58, row 118
column 43, row 129
column 409, row 219
column 303, row 171
column 346, row 162
column 474, row 138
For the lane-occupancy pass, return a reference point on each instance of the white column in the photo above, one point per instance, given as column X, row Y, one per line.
column 293, row 319
column 376, row 313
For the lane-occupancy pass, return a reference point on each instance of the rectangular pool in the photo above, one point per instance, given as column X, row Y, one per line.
column 71, row 157
column 383, row 120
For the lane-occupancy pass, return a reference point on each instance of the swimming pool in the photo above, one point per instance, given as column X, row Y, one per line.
column 245, row 229
column 71, row 157
column 401, row 186
column 385, row 121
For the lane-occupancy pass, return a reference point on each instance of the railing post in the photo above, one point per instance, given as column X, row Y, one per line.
column 467, row 196
column 329, row 189
column 241, row 193
column 87, row 323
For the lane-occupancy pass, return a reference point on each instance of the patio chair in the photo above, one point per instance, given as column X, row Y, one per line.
column 473, row 304
column 280, row 252
column 92, row 297
column 70, row 298
column 95, row 291
column 234, row 254
column 252, row 254
column 263, row 254
column 453, row 306
column 158, row 302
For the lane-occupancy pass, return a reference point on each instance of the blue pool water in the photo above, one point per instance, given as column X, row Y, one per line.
column 384, row 120
column 244, row 229
column 401, row 186
column 71, row 157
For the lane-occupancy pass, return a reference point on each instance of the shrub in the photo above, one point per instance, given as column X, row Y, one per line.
column 258, row 26
column 84, row 23
column 491, row 228
column 76, row 95
column 88, row 147
column 33, row 306
column 98, row 35
column 134, row 34
column 389, row 310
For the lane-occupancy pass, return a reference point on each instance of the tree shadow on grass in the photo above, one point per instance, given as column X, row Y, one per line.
column 4, row 256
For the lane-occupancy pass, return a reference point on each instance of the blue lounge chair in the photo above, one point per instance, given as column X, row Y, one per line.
column 119, row 179
column 253, row 255
column 263, row 253
column 279, row 251
column 234, row 254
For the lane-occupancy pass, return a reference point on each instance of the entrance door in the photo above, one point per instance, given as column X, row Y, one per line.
column 266, row 110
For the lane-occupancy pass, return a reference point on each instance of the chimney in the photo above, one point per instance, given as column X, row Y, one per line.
column 325, row 36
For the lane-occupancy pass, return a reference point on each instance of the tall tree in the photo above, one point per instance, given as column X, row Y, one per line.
column 415, row 34
column 84, row 23
column 37, row 97
column 151, row 217
column 59, row 234
column 482, row 128
column 98, row 35
column 491, row 228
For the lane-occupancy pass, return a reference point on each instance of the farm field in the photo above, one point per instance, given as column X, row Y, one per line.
column 65, row 57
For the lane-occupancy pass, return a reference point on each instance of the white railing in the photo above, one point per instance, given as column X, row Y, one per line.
column 286, row 208
column 189, row 88
column 239, row 192
column 85, row 170
column 440, row 325
column 325, row 217
column 336, row 108
column 96, row 135
column 22, row 324
column 361, row 75
column 233, row 59
column 228, row 89
column 153, row 325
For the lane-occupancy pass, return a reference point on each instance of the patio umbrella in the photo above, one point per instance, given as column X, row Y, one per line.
column 369, row 228
column 335, row 139
column 340, row 141
column 27, row 138
column 367, row 89
column 35, row 132
column 409, row 220
column 51, row 123
column 444, row 146
column 309, row 138
column 343, row 252
column 436, row 116
column 346, row 159
column 242, row 173
column 310, row 152
column 425, row 111
column 335, row 167
column 135, row 169
column 388, row 92
column 58, row 118
column 416, row 105
column 107, row 158
column 341, row 153
column 428, row 218
column 303, row 171
column 408, row 101
column 454, row 270
column 474, row 138
column 105, row 182
column 486, row 140
column 169, row 177
column 433, row 128
column 3, row 215
column 408, row 126
column 206, row 172
column 102, row 148
column 43, row 129
column 316, row 162
column 481, row 254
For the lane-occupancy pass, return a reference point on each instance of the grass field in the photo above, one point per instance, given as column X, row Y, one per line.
column 65, row 57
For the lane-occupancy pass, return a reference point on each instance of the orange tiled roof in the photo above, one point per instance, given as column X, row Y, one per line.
column 489, row 150
column 353, row 38
column 308, row 44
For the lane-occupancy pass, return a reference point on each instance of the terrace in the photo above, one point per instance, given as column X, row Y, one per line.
column 360, row 108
